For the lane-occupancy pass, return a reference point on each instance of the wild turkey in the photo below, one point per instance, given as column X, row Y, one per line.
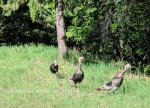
column 79, row 74
column 116, row 81
column 54, row 67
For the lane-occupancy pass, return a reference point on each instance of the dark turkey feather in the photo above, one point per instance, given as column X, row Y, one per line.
column 54, row 67
column 109, row 83
column 78, row 77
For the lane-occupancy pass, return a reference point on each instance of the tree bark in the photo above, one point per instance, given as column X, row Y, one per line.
column 121, row 43
column 61, row 32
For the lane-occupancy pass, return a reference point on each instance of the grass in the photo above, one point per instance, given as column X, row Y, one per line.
column 25, row 81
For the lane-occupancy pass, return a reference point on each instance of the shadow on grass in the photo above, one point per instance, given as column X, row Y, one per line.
column 60, row 76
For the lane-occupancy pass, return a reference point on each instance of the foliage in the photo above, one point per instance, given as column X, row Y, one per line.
column 82, row 22
column 107, row 29
column 10, row 6
column 43, row 12
column 131, row 25
column 19, row 25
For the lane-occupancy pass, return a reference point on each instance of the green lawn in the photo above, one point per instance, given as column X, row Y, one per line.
column 26, row 81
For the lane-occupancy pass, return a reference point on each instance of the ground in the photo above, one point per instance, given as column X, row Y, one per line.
column 26, row 81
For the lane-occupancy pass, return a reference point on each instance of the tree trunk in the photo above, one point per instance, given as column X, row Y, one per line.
column 61, row 32
column 121, row 44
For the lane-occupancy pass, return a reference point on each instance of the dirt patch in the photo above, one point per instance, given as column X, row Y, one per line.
column 133, row 76
column 39, row 63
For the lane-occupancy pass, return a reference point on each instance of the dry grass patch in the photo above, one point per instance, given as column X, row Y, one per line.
column 39, row 63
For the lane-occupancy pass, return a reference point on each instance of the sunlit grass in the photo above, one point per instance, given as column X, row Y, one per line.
column 25, row 81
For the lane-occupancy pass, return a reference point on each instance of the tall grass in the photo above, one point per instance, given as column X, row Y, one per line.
column 25, row 81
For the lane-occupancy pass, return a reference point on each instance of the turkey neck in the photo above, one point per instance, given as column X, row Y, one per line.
column 122, row 72
column 79, row 66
